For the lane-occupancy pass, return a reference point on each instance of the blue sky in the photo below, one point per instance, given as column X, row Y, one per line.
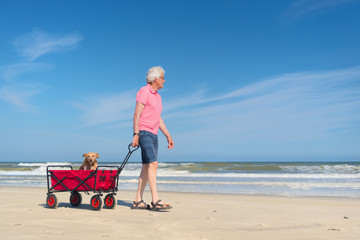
column 245, row 80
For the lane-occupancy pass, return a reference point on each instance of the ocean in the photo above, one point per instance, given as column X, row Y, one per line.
column 334, row 179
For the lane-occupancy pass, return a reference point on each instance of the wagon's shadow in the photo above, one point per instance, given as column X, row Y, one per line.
column 82, row 206
column 124, row 203
column 87, row 206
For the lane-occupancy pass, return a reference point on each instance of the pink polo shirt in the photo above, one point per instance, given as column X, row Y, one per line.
column 150, row 117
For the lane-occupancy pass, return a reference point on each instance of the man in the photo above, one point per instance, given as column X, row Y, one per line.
column 147, row 122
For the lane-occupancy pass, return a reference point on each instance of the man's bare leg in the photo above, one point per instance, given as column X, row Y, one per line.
column 152, row 171
column 143, row 180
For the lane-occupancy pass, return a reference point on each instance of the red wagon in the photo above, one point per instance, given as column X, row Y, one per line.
column 105, row 179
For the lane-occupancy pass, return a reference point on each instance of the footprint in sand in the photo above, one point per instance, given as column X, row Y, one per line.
column 46, row 233
column 103, row 235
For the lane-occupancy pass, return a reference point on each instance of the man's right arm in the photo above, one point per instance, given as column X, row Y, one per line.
column 138, row 110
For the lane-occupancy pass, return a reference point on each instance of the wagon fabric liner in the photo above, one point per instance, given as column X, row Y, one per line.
column 83, row 180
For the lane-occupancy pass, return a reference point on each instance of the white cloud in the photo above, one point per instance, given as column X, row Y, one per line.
column 287, row 109
column 37, row 43
column 301, row 8
column 32, row 46
column 11, row 72
column 193, row 99
column 106, row 109
column 20, row 95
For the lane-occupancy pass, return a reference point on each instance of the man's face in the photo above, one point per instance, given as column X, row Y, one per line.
column 160, row 81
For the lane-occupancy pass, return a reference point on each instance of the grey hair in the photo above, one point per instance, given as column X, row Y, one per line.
column 154, row 72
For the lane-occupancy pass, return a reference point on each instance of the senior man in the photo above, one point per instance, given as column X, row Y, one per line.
column 147, row 122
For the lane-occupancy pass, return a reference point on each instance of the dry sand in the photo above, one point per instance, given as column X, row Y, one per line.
column 195, row 216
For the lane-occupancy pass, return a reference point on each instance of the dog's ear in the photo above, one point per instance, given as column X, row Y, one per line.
column 97, row 155
column 84, row 155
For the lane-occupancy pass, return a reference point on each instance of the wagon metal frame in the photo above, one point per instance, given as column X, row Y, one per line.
column 55, row 184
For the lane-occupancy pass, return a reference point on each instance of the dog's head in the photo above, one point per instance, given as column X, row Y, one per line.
column 91, row 158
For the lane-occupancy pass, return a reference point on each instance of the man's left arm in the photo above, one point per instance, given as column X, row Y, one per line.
column 167, row 134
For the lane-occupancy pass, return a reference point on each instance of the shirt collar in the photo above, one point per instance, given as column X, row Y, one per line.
column 151, row 89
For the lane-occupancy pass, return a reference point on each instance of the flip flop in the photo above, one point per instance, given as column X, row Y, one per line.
column 145, row 206
column 158, row 207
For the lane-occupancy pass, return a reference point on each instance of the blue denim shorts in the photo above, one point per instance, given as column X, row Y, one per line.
column 149, row 147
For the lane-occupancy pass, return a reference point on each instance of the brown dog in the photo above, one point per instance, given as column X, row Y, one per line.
column 90, row 161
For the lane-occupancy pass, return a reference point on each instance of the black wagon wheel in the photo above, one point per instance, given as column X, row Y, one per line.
column 110, row 201
column 51, row 201
column 75, row 198
column 96, row 202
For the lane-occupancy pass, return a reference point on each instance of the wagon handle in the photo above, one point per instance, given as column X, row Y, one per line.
column 127, row 156
column 131, row 151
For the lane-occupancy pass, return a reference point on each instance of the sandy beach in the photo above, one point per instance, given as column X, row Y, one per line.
column 24, row 215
